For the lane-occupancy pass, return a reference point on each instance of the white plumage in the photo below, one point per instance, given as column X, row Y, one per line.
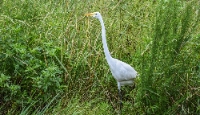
column 121, row 71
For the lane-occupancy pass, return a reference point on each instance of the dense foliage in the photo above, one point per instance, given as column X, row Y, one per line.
column 170, row 78
column 29, row 71
column 51, row 57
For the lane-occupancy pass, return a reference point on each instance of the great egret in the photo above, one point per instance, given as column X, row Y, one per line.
column 121, row 71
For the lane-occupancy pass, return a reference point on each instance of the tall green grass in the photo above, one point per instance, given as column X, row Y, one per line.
column 170, row 79
column 52, row 60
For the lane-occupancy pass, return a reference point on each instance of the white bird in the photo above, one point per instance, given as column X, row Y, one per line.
column 121, row 71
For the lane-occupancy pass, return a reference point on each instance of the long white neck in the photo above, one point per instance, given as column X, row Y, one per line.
column 105, row 47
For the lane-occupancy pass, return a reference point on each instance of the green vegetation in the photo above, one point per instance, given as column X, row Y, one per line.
column 52, row 61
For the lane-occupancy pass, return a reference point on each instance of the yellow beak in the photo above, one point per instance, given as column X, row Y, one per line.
column 89, row 14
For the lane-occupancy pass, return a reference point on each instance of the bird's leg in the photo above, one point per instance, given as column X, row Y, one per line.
column 120, row 97
column 120, row 101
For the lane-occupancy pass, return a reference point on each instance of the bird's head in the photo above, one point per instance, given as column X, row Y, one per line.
column 94, row 14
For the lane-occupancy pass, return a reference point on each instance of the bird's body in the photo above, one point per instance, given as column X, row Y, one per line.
column 124, row 74
column 121, row 71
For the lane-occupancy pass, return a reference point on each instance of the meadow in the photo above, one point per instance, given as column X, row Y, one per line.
column 52, row 60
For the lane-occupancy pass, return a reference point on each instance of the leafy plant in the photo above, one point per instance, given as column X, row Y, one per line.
column 168, row 81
